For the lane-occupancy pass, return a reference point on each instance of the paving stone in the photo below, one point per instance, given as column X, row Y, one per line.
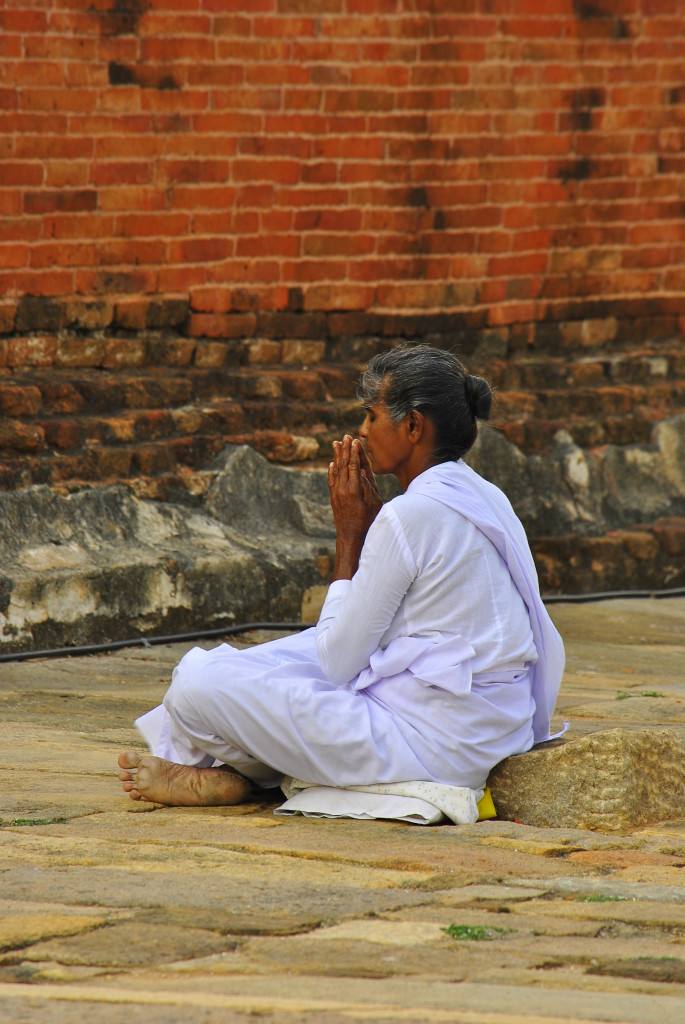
column 609, row 780
column 131, row 944
column 23, row 929
column 666, row 969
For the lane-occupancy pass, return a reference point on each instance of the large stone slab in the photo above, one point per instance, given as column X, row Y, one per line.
column 101, row 565
column 611, row 780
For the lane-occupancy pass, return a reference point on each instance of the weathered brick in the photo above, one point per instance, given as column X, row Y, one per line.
column 21, row 437
column 113, row 429
column 196, row 451
column 230, row 325
column 80, row 351
column 60, row 397
column 31, row 351
column 262, row 350
column 87, row 315
column 262, row 385
column 8, row 311
column 63, row 434
column 169, row 351
column 124, row 352
column 19, row 401
column 670, row 533
column 109, row 463
column 303, row 351
column 153, row 459
column 210, row 354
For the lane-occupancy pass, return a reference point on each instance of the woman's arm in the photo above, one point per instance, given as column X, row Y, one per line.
column 357, row 612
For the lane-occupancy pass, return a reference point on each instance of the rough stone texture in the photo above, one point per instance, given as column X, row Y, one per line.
column 609, row 780
column 103, row 565
column 588, row 493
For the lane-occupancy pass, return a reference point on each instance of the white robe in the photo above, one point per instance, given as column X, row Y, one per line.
column 436, row 661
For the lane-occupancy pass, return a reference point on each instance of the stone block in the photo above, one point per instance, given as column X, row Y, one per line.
column 76, row 351
column 670, row 534
column 19, row 401
column 123, row 352
column 611, row 780
column 210, row 354
column 31, row 351
column 303, row 351
column 21, row 437
column 63, row 433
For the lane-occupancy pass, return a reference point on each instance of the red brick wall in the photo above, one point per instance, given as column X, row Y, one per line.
column 198, row 198
column 515, row 157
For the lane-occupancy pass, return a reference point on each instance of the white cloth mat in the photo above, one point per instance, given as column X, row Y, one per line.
column 421, row 803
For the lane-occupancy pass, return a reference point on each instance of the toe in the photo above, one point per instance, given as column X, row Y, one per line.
column 128, row 759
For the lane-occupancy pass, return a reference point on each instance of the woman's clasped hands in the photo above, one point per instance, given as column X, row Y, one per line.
column 355, row 501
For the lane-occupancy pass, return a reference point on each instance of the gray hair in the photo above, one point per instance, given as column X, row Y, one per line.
column 436, row 384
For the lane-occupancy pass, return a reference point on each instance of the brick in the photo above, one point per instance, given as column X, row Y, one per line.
column 210, row 354
column 14, row 255
column 51, row 200
column 233, row 325
column 200, row 250
column 21, row 437
column 261, row 350
column 63, row 434
column 342, row 297
column 8, row 312
column 151, row 460
column 168, row 351
column 33, row 351
column 109, row 463
column 65, row 254
column 124, row 352
column 303, row 351
column 303, row 387
column 17, row 401
column 60, row 397
column 670, row 533
column 113, row 430
column 79, row 351
column 196, row 451
column 210, row 299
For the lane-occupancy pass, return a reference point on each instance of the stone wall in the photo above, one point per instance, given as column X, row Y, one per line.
column 212, row 213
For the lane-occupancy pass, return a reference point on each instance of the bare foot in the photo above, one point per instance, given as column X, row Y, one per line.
column 180, row 785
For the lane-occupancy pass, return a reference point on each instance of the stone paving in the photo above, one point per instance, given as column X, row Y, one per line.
column 112, row 910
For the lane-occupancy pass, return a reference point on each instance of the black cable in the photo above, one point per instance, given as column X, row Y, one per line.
column 244, row 627
column 611, row 595
column 150, row 641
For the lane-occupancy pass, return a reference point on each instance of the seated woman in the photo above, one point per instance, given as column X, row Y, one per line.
column 433, row 658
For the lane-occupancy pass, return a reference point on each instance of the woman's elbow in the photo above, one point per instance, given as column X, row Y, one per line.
column 335, row 668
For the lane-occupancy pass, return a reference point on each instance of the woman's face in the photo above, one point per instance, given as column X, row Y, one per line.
column 385, row 442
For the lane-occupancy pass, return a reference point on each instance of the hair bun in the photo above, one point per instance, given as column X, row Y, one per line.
column 478, row 396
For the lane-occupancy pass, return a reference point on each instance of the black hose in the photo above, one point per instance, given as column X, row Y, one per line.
column 150, row 641
column 244, row 627
column 612, row 595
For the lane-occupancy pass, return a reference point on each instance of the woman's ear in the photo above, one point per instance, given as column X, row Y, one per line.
column 415, row 422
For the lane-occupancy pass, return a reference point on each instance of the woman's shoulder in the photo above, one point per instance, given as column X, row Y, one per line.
column 418, row 506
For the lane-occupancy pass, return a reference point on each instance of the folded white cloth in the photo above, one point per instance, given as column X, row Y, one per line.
column 421, row 803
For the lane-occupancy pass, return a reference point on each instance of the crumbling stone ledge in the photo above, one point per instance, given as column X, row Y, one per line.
column 609, row 781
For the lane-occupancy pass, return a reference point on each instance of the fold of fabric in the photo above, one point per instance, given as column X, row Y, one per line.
column 421, row 803
column 445, row 663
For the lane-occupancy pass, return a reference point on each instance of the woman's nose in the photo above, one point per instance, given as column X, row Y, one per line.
column 364, row 429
